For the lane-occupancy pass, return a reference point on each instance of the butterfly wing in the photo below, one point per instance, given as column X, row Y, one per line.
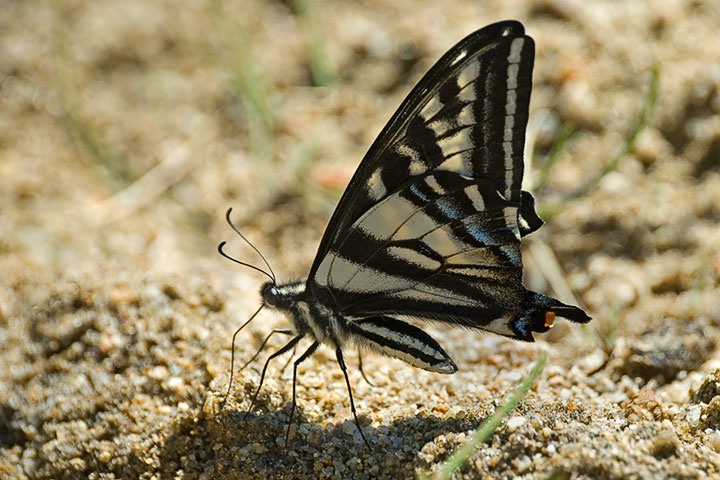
column 409, row 141
column 431, row 222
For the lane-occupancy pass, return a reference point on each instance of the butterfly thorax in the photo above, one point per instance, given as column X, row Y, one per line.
column 309, row 317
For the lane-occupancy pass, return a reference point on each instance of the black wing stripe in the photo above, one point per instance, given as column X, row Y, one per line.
column 347, row 278
column 519, row 83
column 393, row 213
column 485, row 115
column 474, row 211
column 364, row 284
column 431, row 306
column 485, row 126
column 477, row 231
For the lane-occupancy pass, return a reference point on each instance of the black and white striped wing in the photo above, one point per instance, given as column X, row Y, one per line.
column 459, row 110
column 430, row 224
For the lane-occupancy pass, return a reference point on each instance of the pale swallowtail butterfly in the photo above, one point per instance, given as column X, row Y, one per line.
column 429, row 228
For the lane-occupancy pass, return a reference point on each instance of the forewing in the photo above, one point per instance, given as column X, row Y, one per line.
column 467, row 115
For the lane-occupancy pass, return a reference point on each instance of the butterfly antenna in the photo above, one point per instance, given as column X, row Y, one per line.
column 267, row 264
column 220, row 249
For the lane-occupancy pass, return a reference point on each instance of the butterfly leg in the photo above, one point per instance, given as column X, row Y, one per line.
column 282, row 370
column 341, row 362
column 284, row 331
column 301, row 359
column 362, row 372
column 232, row 354
column 284, row 349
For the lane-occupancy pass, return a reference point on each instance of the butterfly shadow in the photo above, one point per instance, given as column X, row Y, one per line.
column 259, row 439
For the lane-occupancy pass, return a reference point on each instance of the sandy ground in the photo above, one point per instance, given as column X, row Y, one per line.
column 127, row 129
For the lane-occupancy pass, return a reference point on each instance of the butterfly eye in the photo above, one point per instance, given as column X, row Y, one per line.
column 270, row 294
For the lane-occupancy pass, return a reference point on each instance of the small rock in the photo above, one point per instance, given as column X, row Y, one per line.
column 523, row 463
column 711, row 414
column 348, row 427
column 176, row 384
column 644, row 405
column 713, row 440
column 513, row 423
column 709, row 389
column 158, row 372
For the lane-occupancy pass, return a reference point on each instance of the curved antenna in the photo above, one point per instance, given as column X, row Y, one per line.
column 232, row 354
column 220, row 249
column 272, row 274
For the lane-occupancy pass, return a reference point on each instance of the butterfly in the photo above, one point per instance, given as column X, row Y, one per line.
column 429, row 227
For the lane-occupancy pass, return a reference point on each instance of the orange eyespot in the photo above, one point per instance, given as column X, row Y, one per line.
column 549, row 319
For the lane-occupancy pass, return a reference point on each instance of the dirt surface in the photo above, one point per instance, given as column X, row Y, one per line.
column 128, row 128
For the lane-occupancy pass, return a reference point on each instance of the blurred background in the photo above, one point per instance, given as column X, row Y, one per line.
column 128, row 128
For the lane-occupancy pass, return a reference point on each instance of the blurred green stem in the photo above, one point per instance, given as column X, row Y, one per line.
column 462, row 455
column 248, row 86
column 548, row 211
column 566, row 132
column 321, row 67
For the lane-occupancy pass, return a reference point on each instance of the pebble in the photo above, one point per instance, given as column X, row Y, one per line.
column 513, row 423
column 107, row 343
column 348, row 427
column 693, row 415
column 176, row 383
column 713, row 440
column 158, row 372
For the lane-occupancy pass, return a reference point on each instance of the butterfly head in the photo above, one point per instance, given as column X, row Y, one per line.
column 281, row 297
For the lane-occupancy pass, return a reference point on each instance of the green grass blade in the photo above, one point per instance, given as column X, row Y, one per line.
column 566, row 132
column 461, row 455
column 97, row 149
column 547, row 211
column 249, row 86
column 321, row 67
